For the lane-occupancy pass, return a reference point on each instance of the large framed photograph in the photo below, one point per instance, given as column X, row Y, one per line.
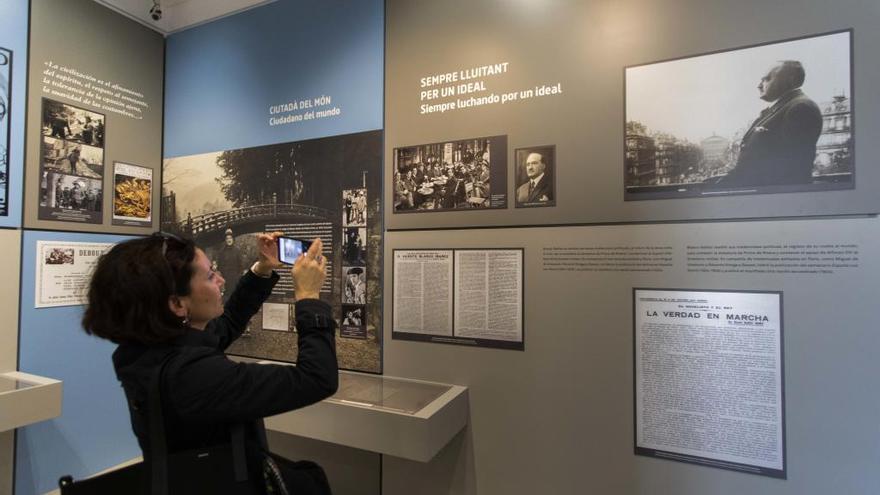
column 468, row 174
column 5, row 109
column 317, row 188
column 770, row 118
column 132, row 195
column 536, row 176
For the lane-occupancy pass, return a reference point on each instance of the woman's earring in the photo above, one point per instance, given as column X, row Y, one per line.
column 185, row 320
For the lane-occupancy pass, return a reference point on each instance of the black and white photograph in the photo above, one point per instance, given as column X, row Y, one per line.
column 60, row 256
column 72, row 158
column 772, row 118
column 71, row 123
column 354, row 246
column 535, row 176
column 223, row 199
column 454, row 175
column 354, row 208
column 70, row 197
column 5, row 103
column 353, row 318
column 355, row 285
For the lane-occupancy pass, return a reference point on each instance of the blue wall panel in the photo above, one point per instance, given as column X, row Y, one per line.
column 13, row 36
column 222, row 78
column 93, row 431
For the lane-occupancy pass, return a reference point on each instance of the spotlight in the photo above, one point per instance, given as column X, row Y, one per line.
column 156, row 11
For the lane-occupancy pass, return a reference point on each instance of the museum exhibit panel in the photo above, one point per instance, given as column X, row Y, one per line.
column 572, row 246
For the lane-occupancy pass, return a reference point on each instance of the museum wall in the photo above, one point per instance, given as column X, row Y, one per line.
column 95, row 87
column 10, row 245
column 93, row 431
column 559, row 416
column 94, row 90
column 284, row 102
column 13, row 62
column 13, row 41
column 574, row 92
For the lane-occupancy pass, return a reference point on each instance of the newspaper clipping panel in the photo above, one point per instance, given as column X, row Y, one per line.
column 423, row 292
column 709, row 378
column 488, row 294
column 459, row 296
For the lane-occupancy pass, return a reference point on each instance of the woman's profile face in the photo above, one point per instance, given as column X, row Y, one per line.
column 204, row 302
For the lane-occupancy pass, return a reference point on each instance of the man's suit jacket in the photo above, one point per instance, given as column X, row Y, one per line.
column 541, row 190
column 780, row 146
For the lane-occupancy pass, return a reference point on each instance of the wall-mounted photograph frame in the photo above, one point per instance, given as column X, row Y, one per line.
column 769, row 118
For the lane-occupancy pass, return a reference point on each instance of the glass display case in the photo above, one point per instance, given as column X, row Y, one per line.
column 411, row 419
column 26, row 399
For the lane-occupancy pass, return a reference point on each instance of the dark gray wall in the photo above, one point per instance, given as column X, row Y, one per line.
column 97, row 41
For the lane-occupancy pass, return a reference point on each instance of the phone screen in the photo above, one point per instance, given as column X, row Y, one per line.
column 289, row 249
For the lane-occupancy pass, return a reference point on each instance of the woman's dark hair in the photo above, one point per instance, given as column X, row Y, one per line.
column 130, row 287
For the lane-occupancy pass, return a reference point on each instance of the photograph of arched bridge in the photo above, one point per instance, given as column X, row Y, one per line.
column 221, row 199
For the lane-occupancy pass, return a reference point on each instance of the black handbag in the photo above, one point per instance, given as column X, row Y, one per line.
column 205, row 470
column 220, row 469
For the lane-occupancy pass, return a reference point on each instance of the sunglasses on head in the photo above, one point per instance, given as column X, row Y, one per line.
column 166, row 237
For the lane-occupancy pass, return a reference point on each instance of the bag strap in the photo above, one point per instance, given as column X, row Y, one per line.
column 159, row 446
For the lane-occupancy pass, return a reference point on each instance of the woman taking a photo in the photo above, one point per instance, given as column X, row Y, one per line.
column 160, row 300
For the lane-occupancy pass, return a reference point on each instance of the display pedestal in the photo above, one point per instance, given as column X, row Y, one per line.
column 405, row 418
column 26, row 399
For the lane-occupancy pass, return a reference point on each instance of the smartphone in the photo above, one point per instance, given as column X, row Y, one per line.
column 290, row 248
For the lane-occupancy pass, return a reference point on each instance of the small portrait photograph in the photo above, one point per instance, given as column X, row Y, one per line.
column 772, row 118
column 71, row 123
column 354, row 208
column 60, row 256
column 354, row 246
column 69, row 192
column 72, row 158
column 354, row 322
column 535, row 177
column 354, row 285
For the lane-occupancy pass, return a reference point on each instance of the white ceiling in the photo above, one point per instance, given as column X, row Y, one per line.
column 180, row 14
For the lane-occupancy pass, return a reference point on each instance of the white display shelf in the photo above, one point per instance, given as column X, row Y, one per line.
column 405, row 418
column 27, row 399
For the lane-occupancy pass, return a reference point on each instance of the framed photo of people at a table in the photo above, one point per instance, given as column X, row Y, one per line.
column 460, row 175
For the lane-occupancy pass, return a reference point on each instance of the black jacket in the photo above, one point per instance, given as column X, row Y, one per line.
column 204, row 393
column 780, row 146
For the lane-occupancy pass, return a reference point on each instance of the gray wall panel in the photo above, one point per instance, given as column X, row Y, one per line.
column 92, row 39
column 558, row 417
column 585, row 46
